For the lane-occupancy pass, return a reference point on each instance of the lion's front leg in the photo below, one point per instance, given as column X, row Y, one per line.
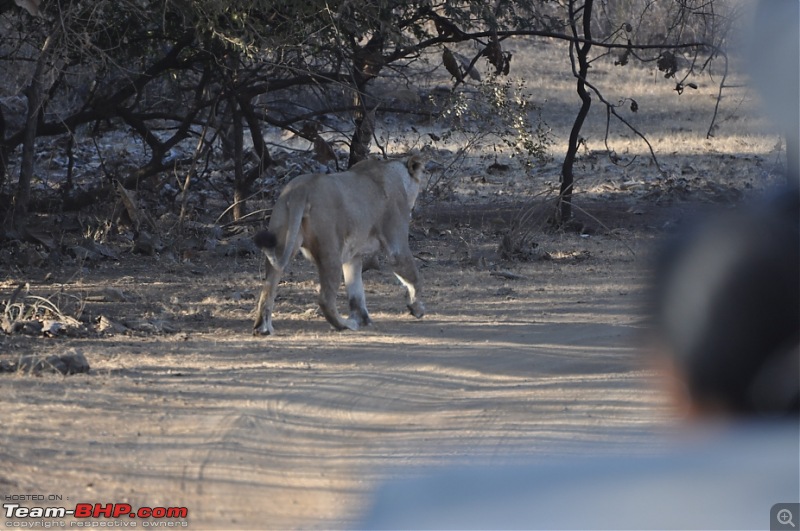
column 405, row 270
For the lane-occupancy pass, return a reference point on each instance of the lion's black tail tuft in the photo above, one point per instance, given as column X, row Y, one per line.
column 265, row 239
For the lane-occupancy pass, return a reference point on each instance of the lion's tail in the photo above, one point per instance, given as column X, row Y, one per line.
column 265, row 239
column 268, row 241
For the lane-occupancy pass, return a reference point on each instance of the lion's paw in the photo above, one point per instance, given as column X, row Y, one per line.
column 417, row 309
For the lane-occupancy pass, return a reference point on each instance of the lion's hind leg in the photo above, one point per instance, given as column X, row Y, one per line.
column 355, row 292
column 330, row 278
column 266, row 302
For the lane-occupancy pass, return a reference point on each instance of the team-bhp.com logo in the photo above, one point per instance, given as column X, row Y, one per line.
column 151, row 516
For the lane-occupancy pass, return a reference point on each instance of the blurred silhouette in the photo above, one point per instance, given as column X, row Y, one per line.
column 727, row 309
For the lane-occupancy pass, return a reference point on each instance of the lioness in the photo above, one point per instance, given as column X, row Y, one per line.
column 334, row 220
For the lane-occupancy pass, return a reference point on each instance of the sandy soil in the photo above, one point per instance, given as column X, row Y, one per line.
column 515, row 360
column 296, row 429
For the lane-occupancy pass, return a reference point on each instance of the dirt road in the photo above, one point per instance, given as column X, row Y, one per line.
column 296, row 430
column 527, row 360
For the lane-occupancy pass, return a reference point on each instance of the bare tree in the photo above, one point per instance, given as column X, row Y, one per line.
column 203, row 68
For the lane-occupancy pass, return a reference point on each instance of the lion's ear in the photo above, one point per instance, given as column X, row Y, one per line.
column 415, row 165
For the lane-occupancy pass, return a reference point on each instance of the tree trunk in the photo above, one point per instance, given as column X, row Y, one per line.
column 364, row 129
column 240, row 188
column 35, row 93
column 257, row 136
column 367, row 62
column 582, row 52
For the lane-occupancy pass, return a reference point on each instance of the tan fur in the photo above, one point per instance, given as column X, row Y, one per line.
column 336, row 219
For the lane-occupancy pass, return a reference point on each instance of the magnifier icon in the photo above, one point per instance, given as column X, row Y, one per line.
column 785, row 517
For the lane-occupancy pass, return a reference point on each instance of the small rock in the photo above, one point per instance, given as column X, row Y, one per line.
column 209, row 244
column 83, row 254
column 30, row 257
column 51, row 327
column 104, row 324
column 29, row 327
column 102, row 250
column 145, row 244
column 73, row 363
column 76, row 363
column 114, row 295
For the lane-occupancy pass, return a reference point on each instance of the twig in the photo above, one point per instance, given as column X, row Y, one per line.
column 188, row 179
column 612, row 109
column 236, row 203
column 241, row 221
